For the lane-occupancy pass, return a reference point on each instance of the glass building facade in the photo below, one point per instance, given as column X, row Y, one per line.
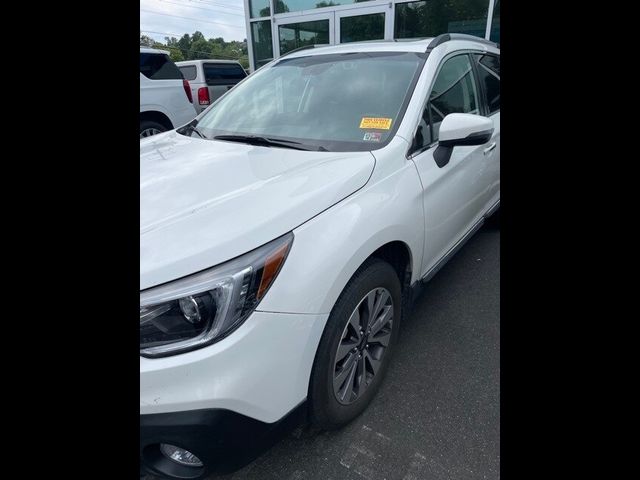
column 278, row 26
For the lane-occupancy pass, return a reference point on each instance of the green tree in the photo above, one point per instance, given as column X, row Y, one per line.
column 200, row 48
column 244, row 61
column 280, row 6
column 185, row 43
column 146, row 41
column 197, row 47
column 175, row 54
column 197, row 36
column 433, row 17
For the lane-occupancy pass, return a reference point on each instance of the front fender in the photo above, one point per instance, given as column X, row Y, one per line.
column 328, row 249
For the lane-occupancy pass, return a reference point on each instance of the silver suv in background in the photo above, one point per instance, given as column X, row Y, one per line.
column 165, row 96
column 210, row 79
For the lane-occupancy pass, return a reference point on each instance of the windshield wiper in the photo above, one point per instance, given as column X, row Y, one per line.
column 268, row 142
column 190, row 128
column 200, row 134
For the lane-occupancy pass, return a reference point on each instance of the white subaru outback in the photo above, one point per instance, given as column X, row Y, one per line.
column 284, row 230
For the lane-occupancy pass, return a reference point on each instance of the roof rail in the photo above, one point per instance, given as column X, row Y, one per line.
column 306, row 47
column 445, row 37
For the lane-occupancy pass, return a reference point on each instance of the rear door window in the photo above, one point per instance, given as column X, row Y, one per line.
column 489, row 77
column 223, row 73
column 156, row 66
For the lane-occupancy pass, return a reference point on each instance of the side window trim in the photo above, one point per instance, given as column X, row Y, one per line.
column 410, row 154
column 428, row 107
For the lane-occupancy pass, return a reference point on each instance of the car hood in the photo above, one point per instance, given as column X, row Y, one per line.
column 203, row 202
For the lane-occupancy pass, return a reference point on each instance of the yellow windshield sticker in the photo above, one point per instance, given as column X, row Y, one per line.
column 376, row 123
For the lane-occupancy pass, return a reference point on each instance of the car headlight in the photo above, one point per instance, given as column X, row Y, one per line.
column 200, row 309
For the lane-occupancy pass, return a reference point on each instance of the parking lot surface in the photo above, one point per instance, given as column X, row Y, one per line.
column 437, row 414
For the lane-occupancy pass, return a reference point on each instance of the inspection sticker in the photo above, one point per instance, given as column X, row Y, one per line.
column 376, row 123
column 372, row 136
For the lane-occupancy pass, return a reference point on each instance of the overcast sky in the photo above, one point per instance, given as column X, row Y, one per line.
column 214, row 18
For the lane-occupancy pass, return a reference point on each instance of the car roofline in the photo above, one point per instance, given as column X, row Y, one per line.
column 419, row 45
column 184, row 63
column 155, row 51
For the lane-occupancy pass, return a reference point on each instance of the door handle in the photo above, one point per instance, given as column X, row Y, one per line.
column 489, row 148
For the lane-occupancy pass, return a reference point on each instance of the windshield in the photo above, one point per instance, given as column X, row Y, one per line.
column 337, row 102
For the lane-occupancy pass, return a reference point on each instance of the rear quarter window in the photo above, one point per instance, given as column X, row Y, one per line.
column 189, row 72
column 223, row 73
column 158, row 67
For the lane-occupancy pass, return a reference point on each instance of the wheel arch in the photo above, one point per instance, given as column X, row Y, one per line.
column 156, row 116
column 398, row 254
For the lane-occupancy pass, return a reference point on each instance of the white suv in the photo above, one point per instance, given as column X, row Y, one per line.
column 284, row 231
column 165, row 96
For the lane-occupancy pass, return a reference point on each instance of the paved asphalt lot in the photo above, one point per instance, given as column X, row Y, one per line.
column 437, row 414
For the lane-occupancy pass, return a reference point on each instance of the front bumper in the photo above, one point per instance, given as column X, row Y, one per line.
column 226, row 402
column 260, row 371
column 223, row 440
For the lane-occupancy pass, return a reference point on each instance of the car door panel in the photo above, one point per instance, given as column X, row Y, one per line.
column 453, row 195
column 452, row 198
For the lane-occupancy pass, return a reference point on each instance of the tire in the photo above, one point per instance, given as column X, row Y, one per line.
column 149, row 127
column 326, row 410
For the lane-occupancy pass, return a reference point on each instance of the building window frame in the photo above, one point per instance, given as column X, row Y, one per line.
column 276, row 18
